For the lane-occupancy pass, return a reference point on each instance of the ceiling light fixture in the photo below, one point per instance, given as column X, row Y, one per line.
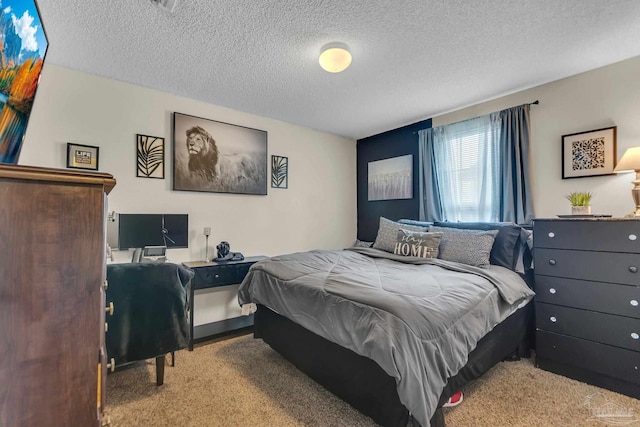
column 335, row 57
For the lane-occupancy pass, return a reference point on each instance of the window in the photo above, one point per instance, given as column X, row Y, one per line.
column 478, row 169
column 467, row 170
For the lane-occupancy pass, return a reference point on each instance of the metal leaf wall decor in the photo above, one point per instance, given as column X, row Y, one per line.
column 279, row 172
column 150, row 158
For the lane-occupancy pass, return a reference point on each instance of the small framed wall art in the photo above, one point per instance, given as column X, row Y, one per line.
column 82, row 156
column 590, row 153
column 150, row 156
column 279, row 172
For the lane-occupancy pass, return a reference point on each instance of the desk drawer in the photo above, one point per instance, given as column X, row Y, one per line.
column 595, row 266
column 623, row 300
column 601, row 358
column 588, row 235
column 216, row 276
column 604, row 328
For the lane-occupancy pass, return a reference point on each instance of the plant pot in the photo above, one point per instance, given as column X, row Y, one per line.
column 580, row 210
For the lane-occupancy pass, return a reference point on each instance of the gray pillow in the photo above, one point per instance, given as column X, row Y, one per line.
column 472, row 247
column 362, row 244
column 388, row 233
column 417, row 243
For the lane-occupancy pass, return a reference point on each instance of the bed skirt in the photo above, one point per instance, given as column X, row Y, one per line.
column 361, row 382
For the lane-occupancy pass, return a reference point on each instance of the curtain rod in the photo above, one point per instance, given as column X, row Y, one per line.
column 536, row 102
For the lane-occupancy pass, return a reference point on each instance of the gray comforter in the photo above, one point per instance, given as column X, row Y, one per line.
column 417, row 318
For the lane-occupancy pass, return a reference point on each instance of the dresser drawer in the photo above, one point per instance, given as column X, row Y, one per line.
column 601, row 358
column 595, row 266
column 610, row 298
column 604, row 328
column 591, row 235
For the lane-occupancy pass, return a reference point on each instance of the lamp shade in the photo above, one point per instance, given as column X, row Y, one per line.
column 630, row 161
column 335, row 58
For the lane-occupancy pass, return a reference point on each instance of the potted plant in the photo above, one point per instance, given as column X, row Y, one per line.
column 580, row 203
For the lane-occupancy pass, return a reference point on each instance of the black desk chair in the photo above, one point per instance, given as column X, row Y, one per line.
column 150, row 316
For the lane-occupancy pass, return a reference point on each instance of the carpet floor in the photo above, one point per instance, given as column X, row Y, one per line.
column 241, row 381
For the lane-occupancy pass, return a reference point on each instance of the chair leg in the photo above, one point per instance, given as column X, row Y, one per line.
column 160, row 370
column 173, row 359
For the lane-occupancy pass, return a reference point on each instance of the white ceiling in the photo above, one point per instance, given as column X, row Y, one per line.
column 412, row 59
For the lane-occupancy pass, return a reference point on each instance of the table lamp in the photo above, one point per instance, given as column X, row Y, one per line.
column 630, row 161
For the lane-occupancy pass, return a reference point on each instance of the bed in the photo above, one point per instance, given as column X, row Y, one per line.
column 393, row 335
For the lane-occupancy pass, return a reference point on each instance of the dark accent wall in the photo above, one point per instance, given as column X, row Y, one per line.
column 393, row 143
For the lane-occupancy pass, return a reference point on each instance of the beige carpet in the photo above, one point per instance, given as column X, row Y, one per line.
column 240, row 381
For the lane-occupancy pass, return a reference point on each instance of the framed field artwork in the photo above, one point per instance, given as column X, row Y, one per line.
column 21, row 59
column 390, row 179
column 218, row 157
column 590, row 153
column 149, row 156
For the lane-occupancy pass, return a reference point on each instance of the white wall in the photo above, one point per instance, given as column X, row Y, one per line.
column 318, row 210
column 608, row 96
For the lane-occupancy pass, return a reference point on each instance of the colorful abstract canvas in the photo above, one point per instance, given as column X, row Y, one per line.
column 22, row 53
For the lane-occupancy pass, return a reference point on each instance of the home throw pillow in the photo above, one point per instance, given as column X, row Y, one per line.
column 417, row 243
column 388, row 232
column 471, row 247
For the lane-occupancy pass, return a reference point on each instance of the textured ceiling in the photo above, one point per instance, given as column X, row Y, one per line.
column 412, row 59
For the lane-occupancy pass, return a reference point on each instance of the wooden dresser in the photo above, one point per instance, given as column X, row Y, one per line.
column 587, row 300
column 52, row 308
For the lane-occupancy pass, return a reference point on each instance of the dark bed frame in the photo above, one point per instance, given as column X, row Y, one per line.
column 361, row 382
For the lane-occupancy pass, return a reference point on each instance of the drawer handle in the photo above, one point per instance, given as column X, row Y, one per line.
column 552, row 291
column 216, row 276
column 552, row 234
column 553, row 319
column 552, row 262
column 112, row 366
column 634, row 302
column 632, row 237
column 106, row 327
column 109, row 309
column 633, row 269
column 634, row 335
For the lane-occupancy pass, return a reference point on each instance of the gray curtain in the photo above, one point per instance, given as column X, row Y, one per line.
column 516, row 201
column 429, row 191
column 513, row 201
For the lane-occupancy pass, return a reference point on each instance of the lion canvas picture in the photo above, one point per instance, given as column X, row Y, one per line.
column 218, row 157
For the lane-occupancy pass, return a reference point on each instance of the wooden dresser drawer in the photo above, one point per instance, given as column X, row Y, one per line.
column 600, row 327
column 595, row 266
column 591, row 356
column 609, row 298
column 598, row 235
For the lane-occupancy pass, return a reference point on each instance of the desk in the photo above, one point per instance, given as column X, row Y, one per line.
column 214, row 274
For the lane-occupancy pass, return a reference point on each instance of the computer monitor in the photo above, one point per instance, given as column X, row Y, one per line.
column 140, row 230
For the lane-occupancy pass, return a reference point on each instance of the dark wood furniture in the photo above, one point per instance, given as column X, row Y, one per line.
column 52, row 307
column 587, row 300
column 211, row 275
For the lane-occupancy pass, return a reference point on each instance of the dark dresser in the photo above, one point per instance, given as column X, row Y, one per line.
column 587, row 284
